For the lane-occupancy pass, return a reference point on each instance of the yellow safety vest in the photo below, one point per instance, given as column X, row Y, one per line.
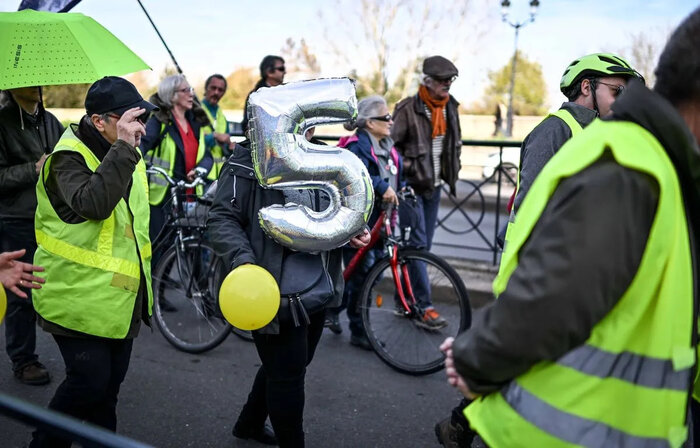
column 93, row 268
column 220, row 126
column 576, row 128
column 628, row 385
column 163, row 156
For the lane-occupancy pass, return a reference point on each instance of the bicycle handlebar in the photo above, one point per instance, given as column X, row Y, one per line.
column 199, row 177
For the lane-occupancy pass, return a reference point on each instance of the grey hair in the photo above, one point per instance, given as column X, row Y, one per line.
column 168, row 88
column 368, row 107
column 105, row 117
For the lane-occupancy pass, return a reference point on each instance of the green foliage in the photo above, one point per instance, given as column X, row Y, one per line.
column 240, row 82
column 528, row 95
column 65, row 96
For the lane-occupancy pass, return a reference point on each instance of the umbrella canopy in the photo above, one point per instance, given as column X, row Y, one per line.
column 46, row 48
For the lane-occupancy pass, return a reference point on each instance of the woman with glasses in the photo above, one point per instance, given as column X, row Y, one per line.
column 373, row 145
column 173, row 142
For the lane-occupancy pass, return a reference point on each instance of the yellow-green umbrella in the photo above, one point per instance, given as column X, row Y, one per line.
column 46, row 48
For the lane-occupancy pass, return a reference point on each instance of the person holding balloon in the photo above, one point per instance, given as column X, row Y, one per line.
column 287, row 344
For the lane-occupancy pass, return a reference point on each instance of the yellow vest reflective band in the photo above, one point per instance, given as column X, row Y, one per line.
column 220, row 126
column 163, row 156
column 575, row 127
column 93, row 268
column 628, row 384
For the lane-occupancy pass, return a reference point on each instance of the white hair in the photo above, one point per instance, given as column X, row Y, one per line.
column 368, row 107
column 167, row 89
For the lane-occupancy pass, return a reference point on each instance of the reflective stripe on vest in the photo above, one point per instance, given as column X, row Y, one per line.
column 94, row 268
column 163, row 156
column 628, row 385
column 220, row 126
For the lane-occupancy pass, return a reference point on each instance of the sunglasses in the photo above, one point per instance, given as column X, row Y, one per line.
column 445, row 80
column 281, row 68
column 617, row 89
column 141, row 118
column 386, row 118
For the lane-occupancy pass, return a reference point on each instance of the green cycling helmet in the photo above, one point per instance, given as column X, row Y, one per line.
column 596, row 64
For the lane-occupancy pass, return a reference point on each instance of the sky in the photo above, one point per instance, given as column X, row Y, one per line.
column 210, row 36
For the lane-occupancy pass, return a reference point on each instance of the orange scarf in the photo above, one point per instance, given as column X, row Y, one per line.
column 436, row 110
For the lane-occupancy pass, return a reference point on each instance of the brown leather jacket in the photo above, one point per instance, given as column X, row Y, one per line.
column 412, row 134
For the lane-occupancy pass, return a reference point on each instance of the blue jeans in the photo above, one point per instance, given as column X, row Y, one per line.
column 423, row 223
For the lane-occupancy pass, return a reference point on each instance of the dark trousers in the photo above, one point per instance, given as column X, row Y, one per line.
column 278, row 389
column 95, row 369
column 20, row 318
column 422, row 232
column 353, row 286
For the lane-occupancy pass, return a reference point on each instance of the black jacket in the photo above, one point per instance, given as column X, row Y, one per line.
column 581, row 256
column 412, row 135
column 196, row 117
column 22, row 143
column 234, row 229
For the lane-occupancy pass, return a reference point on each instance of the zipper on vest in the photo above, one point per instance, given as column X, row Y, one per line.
column 292, row 309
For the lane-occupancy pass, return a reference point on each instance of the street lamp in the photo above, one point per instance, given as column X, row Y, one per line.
column 505, row 4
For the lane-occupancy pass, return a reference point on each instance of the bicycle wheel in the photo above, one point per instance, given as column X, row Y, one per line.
column 185, row 297
column 396, row 336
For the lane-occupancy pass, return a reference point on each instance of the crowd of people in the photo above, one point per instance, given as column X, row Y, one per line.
column 591, row 341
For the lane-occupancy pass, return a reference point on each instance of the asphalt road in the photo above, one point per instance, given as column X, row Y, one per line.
column 174, row 399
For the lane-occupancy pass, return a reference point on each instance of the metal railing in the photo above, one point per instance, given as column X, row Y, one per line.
column 472, row 198
column 63, row 426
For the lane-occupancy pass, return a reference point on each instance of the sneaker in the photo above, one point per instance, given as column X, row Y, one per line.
column 360, row 340
column 450, row 435
column 265, row 435
column 333, row 323
column 431, row 320
column 33, row 373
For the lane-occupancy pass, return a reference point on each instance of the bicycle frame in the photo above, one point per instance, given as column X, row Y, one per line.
column 383, row 229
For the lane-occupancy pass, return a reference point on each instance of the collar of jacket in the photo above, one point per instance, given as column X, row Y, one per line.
column 658, row 116
column 241, row 163
column 583, row 115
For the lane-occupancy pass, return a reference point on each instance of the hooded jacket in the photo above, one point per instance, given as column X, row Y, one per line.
column 22, row 143
column 582, row 254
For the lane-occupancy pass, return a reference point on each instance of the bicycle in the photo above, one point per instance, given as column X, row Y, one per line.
column 188, row 274
column 390, row 312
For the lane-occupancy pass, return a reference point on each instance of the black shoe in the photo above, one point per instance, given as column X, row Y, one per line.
column 451, row 435
column 360, row 341
column 333, row 323
column 265, row 435
column 33, row 373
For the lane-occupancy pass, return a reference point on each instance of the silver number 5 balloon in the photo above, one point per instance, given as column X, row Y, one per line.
column 284, row 159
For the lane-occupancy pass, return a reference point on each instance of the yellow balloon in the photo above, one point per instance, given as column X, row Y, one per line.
column 3, row 303
column 249, row 297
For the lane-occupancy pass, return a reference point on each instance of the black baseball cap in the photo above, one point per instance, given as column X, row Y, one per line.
column 114, row 94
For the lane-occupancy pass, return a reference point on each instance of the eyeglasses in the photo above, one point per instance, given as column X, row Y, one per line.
column 189, row 90
column 618, row 89
column 386, row 117
column 449, row 80
column 141, row 118
column 281, row 68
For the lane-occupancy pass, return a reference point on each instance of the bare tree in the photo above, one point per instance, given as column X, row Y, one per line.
column 382, row 42
column 300, row 60
column 644, row 49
